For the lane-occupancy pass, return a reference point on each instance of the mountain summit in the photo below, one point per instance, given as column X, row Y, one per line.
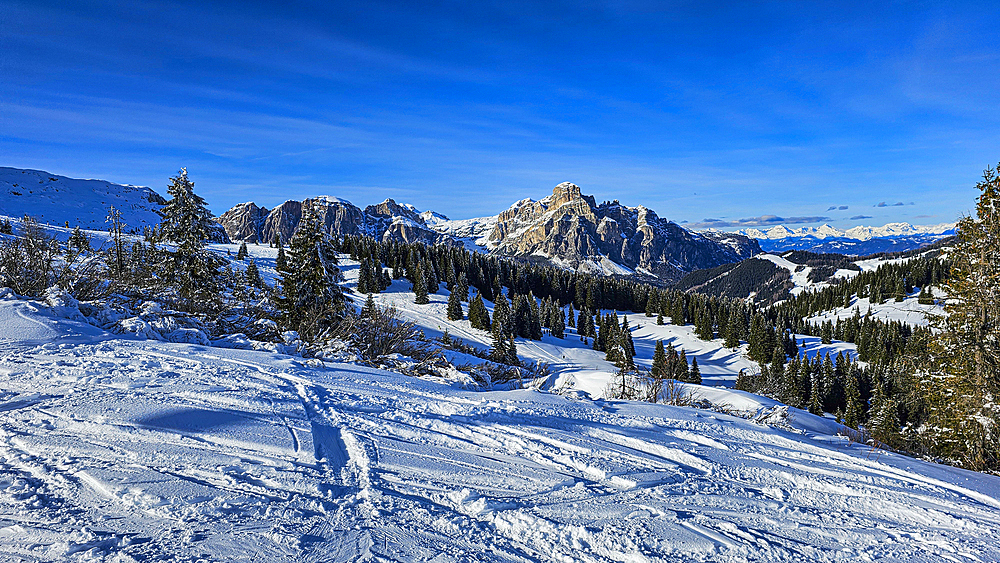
column 571, row 229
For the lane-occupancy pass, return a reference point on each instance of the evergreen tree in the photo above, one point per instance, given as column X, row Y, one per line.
column 963, row 375
column 187, row 222
column 420, row 286
column 884, row 422
column 253, row 275
column 479, row 316
column 558, row 323
column 311, row 300
column 534, row 319
column 281, row 262
column 815, row 395
column 242, row 253
column 369, row 308
column 854, row 410
column 732, row 331
column 501, row 314
column 455, row 312
column 78, row 242
column 743, row 382
column 695, row 372
column 659, row 369
column 925, row 297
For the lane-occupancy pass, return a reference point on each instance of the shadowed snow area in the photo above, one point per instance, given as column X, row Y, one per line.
column 114, row 449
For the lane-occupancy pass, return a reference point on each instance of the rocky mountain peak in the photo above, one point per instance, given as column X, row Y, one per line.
column 570, row 228
column 389, row 209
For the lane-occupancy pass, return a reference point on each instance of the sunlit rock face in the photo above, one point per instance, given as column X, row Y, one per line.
column 570, row 228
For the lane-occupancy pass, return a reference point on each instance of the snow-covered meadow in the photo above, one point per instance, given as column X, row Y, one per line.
column 118, row 449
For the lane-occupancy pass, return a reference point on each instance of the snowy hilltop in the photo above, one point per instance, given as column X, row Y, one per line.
column 58, row 200
column 67, row 202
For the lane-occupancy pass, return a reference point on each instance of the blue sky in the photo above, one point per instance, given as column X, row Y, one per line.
column 723, row 114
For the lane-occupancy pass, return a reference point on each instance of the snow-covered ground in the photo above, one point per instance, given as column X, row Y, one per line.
column 908, row 311
column 122, row 450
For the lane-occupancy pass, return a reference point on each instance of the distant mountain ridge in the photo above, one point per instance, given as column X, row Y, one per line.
column 566, row 228
column 860, row 240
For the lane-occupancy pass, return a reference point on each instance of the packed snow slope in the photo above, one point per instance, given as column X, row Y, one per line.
column 117, row 449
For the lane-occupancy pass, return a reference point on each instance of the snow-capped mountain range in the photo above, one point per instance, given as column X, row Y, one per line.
column 566, row 228
column 860, row 232
column 859, row 240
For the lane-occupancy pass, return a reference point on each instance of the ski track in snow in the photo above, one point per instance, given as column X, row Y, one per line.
column 118, row 450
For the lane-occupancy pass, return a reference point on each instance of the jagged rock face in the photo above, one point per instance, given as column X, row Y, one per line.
column 570, row 228
column 398, row 222
column 281, row 221
column 387, row 220
column 244, row 222
column 339, row 217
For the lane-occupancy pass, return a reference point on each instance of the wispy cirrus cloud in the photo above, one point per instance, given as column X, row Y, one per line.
column 761, row 221
column 897, row 204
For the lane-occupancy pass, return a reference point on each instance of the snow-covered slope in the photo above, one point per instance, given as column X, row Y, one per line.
column 58, row 200
column 121, row 450
column 859, row 240
column 67, row 202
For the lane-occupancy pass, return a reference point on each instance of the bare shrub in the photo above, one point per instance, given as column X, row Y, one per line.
column 674, row 393
column 379, row 332
column 27, row 262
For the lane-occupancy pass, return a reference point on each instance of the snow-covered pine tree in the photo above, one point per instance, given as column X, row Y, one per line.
column 558, row 323
column 963, row 375
column 242, row 253
column 78, row 242
column 366, row 279
column 187, row 222
column 281, row 262
column 534, row 318
column 368, row 310
column 311, row 300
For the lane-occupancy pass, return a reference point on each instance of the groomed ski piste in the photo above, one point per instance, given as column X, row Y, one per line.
column 119, row 449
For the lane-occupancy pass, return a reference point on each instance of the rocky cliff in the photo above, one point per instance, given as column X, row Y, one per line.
column 570, row 229
column 386, row 220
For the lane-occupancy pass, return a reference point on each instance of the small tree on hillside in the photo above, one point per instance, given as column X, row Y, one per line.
column 311, row 299
column 187, row 222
